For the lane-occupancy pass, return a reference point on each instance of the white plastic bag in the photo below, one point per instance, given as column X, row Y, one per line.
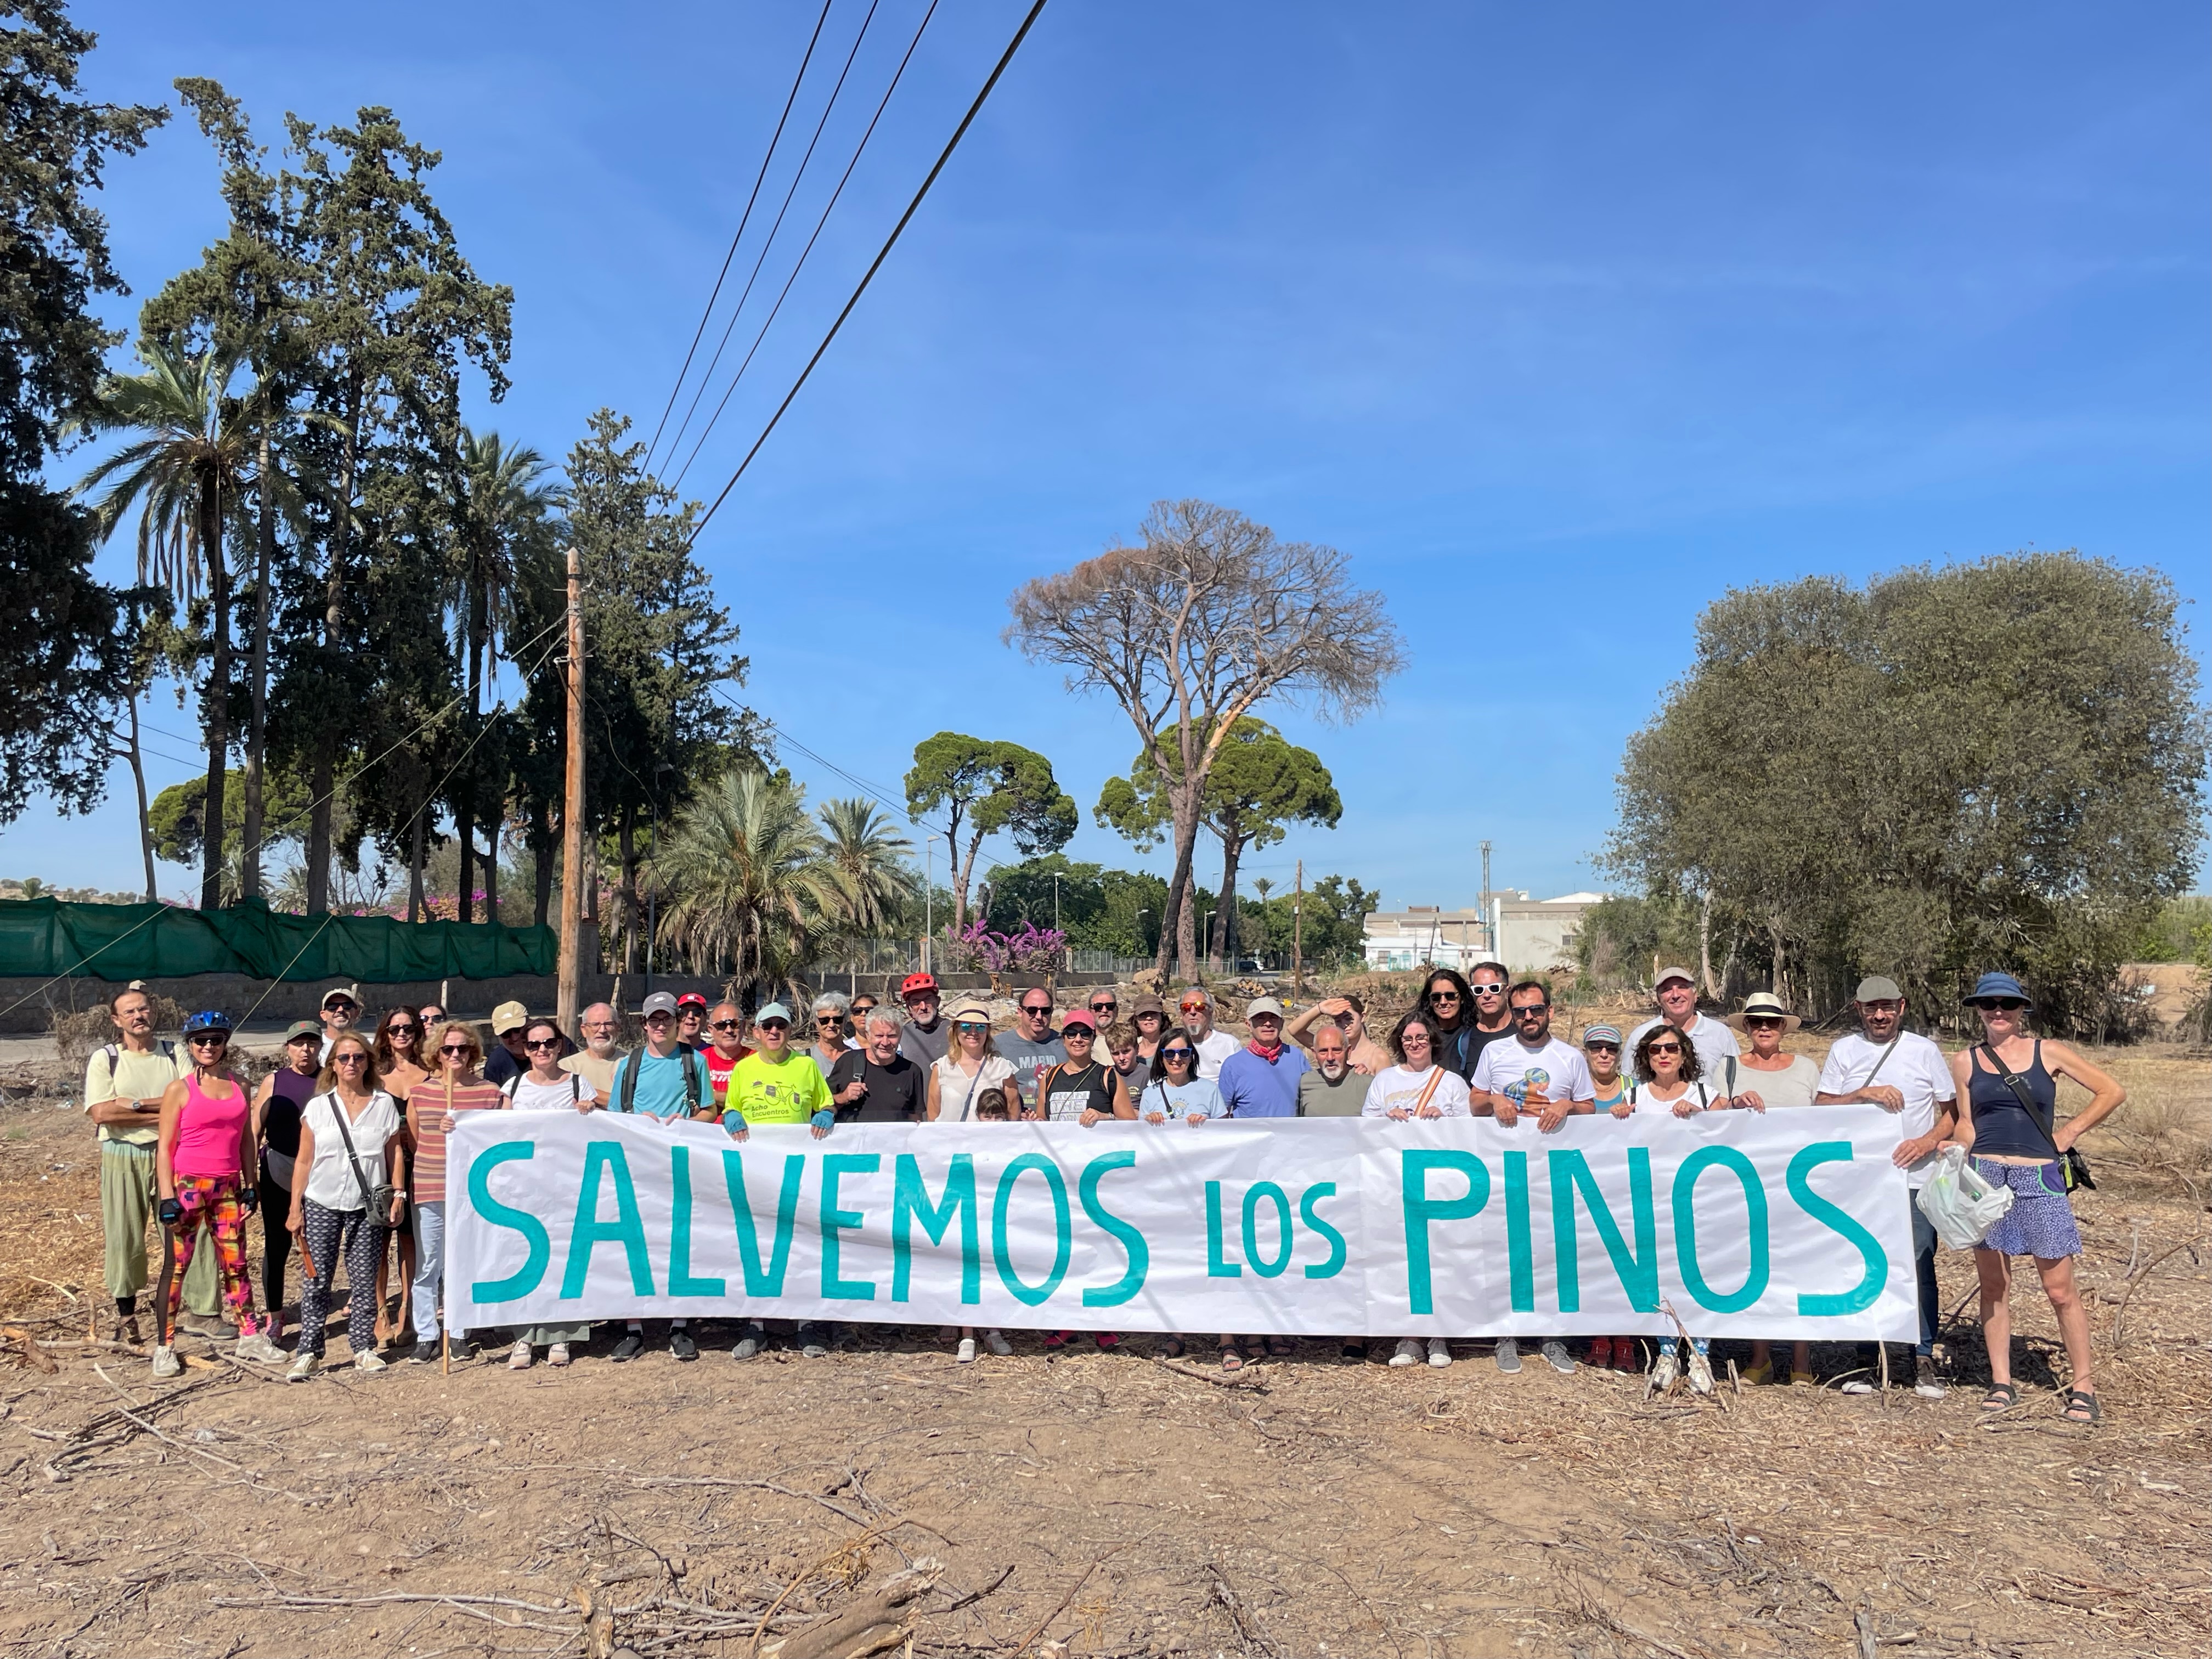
column 1961, row 1206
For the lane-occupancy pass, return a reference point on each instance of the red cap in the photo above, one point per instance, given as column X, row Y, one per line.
column 691, row 999
column 1082, row 1017
column 915, row 982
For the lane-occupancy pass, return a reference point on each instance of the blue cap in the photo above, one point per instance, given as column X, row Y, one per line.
column 1603, row 1034
column 2000, row 985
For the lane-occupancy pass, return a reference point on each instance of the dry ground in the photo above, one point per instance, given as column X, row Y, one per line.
column 1104, row 1503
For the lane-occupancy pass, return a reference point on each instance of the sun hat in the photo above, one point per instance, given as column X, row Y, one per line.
column 1148, row 1004
column 1665, row 974
column 914, row 984
column 969, row 1008
column 1994, row 985
column 1766, row 1004
column 301, row 1028
column 1603, row 1034
column 509, row 1016
column 660, row 1003
column 1878, row 987
column 774, row 1011
column 1260, row 1006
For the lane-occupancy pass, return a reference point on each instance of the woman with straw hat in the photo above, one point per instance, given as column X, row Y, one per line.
column 1776, row 1079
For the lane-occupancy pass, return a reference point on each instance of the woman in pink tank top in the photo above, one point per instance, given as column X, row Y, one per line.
column 204, row 1167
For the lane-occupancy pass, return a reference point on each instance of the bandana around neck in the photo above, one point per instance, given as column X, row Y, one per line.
column 1271, row 1055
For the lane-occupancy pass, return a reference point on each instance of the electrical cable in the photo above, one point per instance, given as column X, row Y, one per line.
column 706, row 316
column 889, row 242
column 707, row 375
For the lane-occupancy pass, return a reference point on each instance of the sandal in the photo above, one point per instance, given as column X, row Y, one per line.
column 2001, row 1396
column 1173, row 1348
column 1281, row 1347
column 1231, row 1359
column 2082, row 1408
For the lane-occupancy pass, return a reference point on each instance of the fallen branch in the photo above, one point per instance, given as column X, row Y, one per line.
column 1253, row 1383
column 1247, row 1628
column 1045, row 1623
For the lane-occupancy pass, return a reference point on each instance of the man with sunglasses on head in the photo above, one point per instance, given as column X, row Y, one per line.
column 1676, row 993
column 925, row 1037
column 1884, row 1064
column 1032, row 1047
column 1214, row 1046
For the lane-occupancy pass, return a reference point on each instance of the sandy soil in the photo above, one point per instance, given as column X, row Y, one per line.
column 1101, row 1503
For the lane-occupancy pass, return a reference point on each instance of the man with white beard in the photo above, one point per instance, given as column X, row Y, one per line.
column 1330, row 1087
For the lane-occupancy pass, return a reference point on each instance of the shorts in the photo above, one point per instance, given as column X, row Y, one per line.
column 2041, row 1220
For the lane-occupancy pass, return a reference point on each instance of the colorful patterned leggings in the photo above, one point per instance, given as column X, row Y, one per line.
column 213, row 1200
column 331, row 1235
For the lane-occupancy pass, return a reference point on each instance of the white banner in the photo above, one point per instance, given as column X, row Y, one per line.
column 1793, row 1224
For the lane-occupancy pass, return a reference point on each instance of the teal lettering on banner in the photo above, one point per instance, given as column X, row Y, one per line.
column 1520, row 1250
column 1062, row 1224
column 1639, row 1272
column 526, row 1278
column 757, row 1282
column 1421, row 1210
column 1308, row 1202
column 1686, row 1228
column 910, row 1199
column 680, row 1282
column 1131, row 1241
column 1825, row 1304
column 835, row 1223
column 1216, row 1267
column 601, row 1158
column 1285, row 1244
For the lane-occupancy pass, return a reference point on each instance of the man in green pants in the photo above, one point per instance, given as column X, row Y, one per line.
column 122, row 1085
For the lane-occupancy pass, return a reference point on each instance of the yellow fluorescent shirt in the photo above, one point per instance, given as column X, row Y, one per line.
column 766, row 1092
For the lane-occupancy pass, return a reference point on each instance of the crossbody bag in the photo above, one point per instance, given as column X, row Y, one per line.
column 2075, row 1166
column 378, row 1198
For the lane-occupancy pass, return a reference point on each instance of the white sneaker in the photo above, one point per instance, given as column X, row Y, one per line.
column 369, row 1362
column 748, row 1345
column 304, row 1365
column 997, row 1344
column 1663, row 1373
column 966, row 1356
column 1508, row 1354
column 165, row 1363
column 1439, row 1352
column 520, row 1359
column 260, row 1349
column 1701, row 1373
column 1409, row 1351
column 1556, row 1356
column 557, row 1354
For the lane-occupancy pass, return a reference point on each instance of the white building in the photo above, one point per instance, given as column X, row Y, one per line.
column 1520, row 932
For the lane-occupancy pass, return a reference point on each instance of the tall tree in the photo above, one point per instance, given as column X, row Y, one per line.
column 985, row 788
column 188, row 470
column 1206, row 618
column 868, row 858
column 62, row 649
column 750, row 891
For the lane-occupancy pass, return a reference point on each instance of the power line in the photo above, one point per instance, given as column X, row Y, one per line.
column 707, row 375
column 889, row 242
column 707, row 315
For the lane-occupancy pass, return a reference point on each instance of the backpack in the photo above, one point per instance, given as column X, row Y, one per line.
column 633, row 1066
column 114, row 1052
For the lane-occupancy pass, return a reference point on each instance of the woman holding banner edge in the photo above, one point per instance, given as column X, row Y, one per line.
column 1417, row 1087
column 1669, row 1073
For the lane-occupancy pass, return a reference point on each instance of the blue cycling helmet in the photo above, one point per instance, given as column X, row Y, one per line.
column 211, row 1019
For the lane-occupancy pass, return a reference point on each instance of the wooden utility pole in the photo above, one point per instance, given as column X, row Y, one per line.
column 1297, row 941
column 572, row 814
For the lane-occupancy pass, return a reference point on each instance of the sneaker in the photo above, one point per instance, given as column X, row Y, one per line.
column 520, row 1359
column 369, row 1363
column 681, row 1345
column 1601, row 1352
column 1858, row 1385
column 557, row 1354
column 1409, row 1351
column 426, row 1353
column 1759, row 1374
column 997, row 1343
column 461, row 1349
column 1508, row 1354
column 304, row 1365
column 1925, row 1383
column 631, row 1345
column 1701, row 1373
column 1557, row 1356
column 1624, row 1356
column 811, row 1343
column 1109, row 1340
column 1057, row 1338
column 255, row 1347
column 965, row 1354
column 165, row 1363
column 748, row 1345
column 1439, row 1352
column 1664, row 1371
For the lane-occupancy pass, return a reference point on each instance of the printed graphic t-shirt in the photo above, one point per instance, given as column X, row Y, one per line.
column 764, row 1092
column 1513, row 1068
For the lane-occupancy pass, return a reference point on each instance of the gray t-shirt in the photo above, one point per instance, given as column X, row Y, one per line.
column 1028, row 1060
column 1319, row 1098
column 925, row 1048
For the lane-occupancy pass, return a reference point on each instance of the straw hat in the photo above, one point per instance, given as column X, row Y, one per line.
column 1764, row 1002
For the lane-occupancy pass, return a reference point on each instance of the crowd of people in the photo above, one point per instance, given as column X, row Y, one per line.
column 342, row 1149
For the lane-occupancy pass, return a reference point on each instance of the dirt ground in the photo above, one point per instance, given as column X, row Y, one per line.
column 1108, row 1503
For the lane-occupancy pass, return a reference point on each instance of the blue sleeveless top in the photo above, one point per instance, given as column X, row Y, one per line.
column 2001, row 1128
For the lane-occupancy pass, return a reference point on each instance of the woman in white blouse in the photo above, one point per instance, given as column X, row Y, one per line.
column 1417, row 1088
column 971, row 1064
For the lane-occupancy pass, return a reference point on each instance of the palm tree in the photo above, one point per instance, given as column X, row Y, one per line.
column 499, row 510
column 748, row 887
column 868, row 859
column 191, row 465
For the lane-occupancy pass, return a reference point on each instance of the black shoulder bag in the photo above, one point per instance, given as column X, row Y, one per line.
column 378, row 1198
column 2071, row 1161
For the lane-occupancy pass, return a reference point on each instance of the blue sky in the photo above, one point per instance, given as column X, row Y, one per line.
column 1558, row 322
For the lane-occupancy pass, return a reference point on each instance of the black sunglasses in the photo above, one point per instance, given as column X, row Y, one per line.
column 1764, row 1022
column 401, row 1031
column 729, row 1025
column 1664, row 1049
column 1036, row 1007
column 1603, row 1048
column 536, row 1043
column 456, row 1048
column 1446, row 995
column 2002, row 1005
column 1532, row 1008
column 1104, row 1002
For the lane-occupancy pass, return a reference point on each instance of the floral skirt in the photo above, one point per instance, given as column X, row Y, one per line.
column 2041, row 1220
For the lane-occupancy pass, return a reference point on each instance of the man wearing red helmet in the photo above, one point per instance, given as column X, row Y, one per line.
column 925, row 1037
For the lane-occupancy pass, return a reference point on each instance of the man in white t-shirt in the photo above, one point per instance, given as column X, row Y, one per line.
column 1533, row 1075
column 1899, row 1071
column 1677, row 996
column 1214, row 1046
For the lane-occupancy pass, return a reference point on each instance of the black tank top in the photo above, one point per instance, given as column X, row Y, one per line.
column 289, row 1094
column 2001, row 1127
column 1074, row 1092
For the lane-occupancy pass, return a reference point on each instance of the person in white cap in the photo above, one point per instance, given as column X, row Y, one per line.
column 1260, row 1079
column 1676, row 993
column 341, row 1006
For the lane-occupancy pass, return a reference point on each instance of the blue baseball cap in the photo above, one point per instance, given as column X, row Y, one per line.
column 1999, row 985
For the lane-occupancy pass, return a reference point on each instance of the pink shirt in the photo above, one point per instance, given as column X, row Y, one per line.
column 209, row 1131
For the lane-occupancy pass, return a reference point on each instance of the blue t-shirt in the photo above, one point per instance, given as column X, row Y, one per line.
column 1180, row 1101
column 659, row 1084
column 1251, row 1087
